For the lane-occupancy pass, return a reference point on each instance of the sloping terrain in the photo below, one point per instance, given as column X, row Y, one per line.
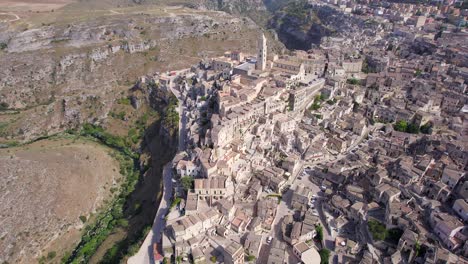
column 45, row 188
column 66, row 63
column 67, row 67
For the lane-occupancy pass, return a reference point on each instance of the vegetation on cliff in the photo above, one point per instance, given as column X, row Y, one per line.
column 125, row 213
column 113, row 217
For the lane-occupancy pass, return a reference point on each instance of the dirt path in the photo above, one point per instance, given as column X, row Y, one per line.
column 10, row 20
column 116, row 12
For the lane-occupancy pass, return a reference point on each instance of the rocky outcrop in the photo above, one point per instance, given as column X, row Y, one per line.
column 301, row 25
column 298, row 25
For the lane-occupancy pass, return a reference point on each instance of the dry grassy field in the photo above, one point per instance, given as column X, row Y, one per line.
column 45, row 187
column 32, row 5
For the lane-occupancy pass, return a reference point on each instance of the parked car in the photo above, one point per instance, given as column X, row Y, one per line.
column 269, row 239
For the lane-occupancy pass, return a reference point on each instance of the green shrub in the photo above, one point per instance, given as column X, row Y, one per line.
column 124, row 101
column 314, row 106
column 122, row 222
column 377, row 230
column 187, row 182
column 4, row 106
column 176, row 202
column 83, row 218
column 133, row 249
column 324, row 256
column 51, row 255
column 426, row 128
column 353, row 81
column 319, row 230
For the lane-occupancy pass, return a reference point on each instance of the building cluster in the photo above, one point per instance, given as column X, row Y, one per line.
column 358, row 147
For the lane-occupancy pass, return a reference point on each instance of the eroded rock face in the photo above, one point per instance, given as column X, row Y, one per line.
column 59, row 76
column 305, row 28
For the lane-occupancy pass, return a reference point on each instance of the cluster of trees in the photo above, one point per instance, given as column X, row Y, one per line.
column 379, row 232
column 117, row 142
column 317, row 102
column 298, row 9
column 171, row 115
column 377, row 229
column 404, row 126
column 353, row 81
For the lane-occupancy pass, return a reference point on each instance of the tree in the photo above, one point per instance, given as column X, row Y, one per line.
column 319, row 230
column 324, row 255
column 412, row 128
column 83, row 218
column 377, row 230
column 355, row 106
column 426, row 128
column 186, row 182
column 401, row 126
column 353, row 81
column 417, row 248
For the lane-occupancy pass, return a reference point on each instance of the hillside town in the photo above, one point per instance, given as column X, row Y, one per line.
column 354, row 151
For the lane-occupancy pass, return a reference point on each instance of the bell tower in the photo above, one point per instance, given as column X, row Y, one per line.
column 261, row 53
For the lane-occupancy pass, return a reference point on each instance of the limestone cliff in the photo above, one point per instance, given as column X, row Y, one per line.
column 59, row 75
